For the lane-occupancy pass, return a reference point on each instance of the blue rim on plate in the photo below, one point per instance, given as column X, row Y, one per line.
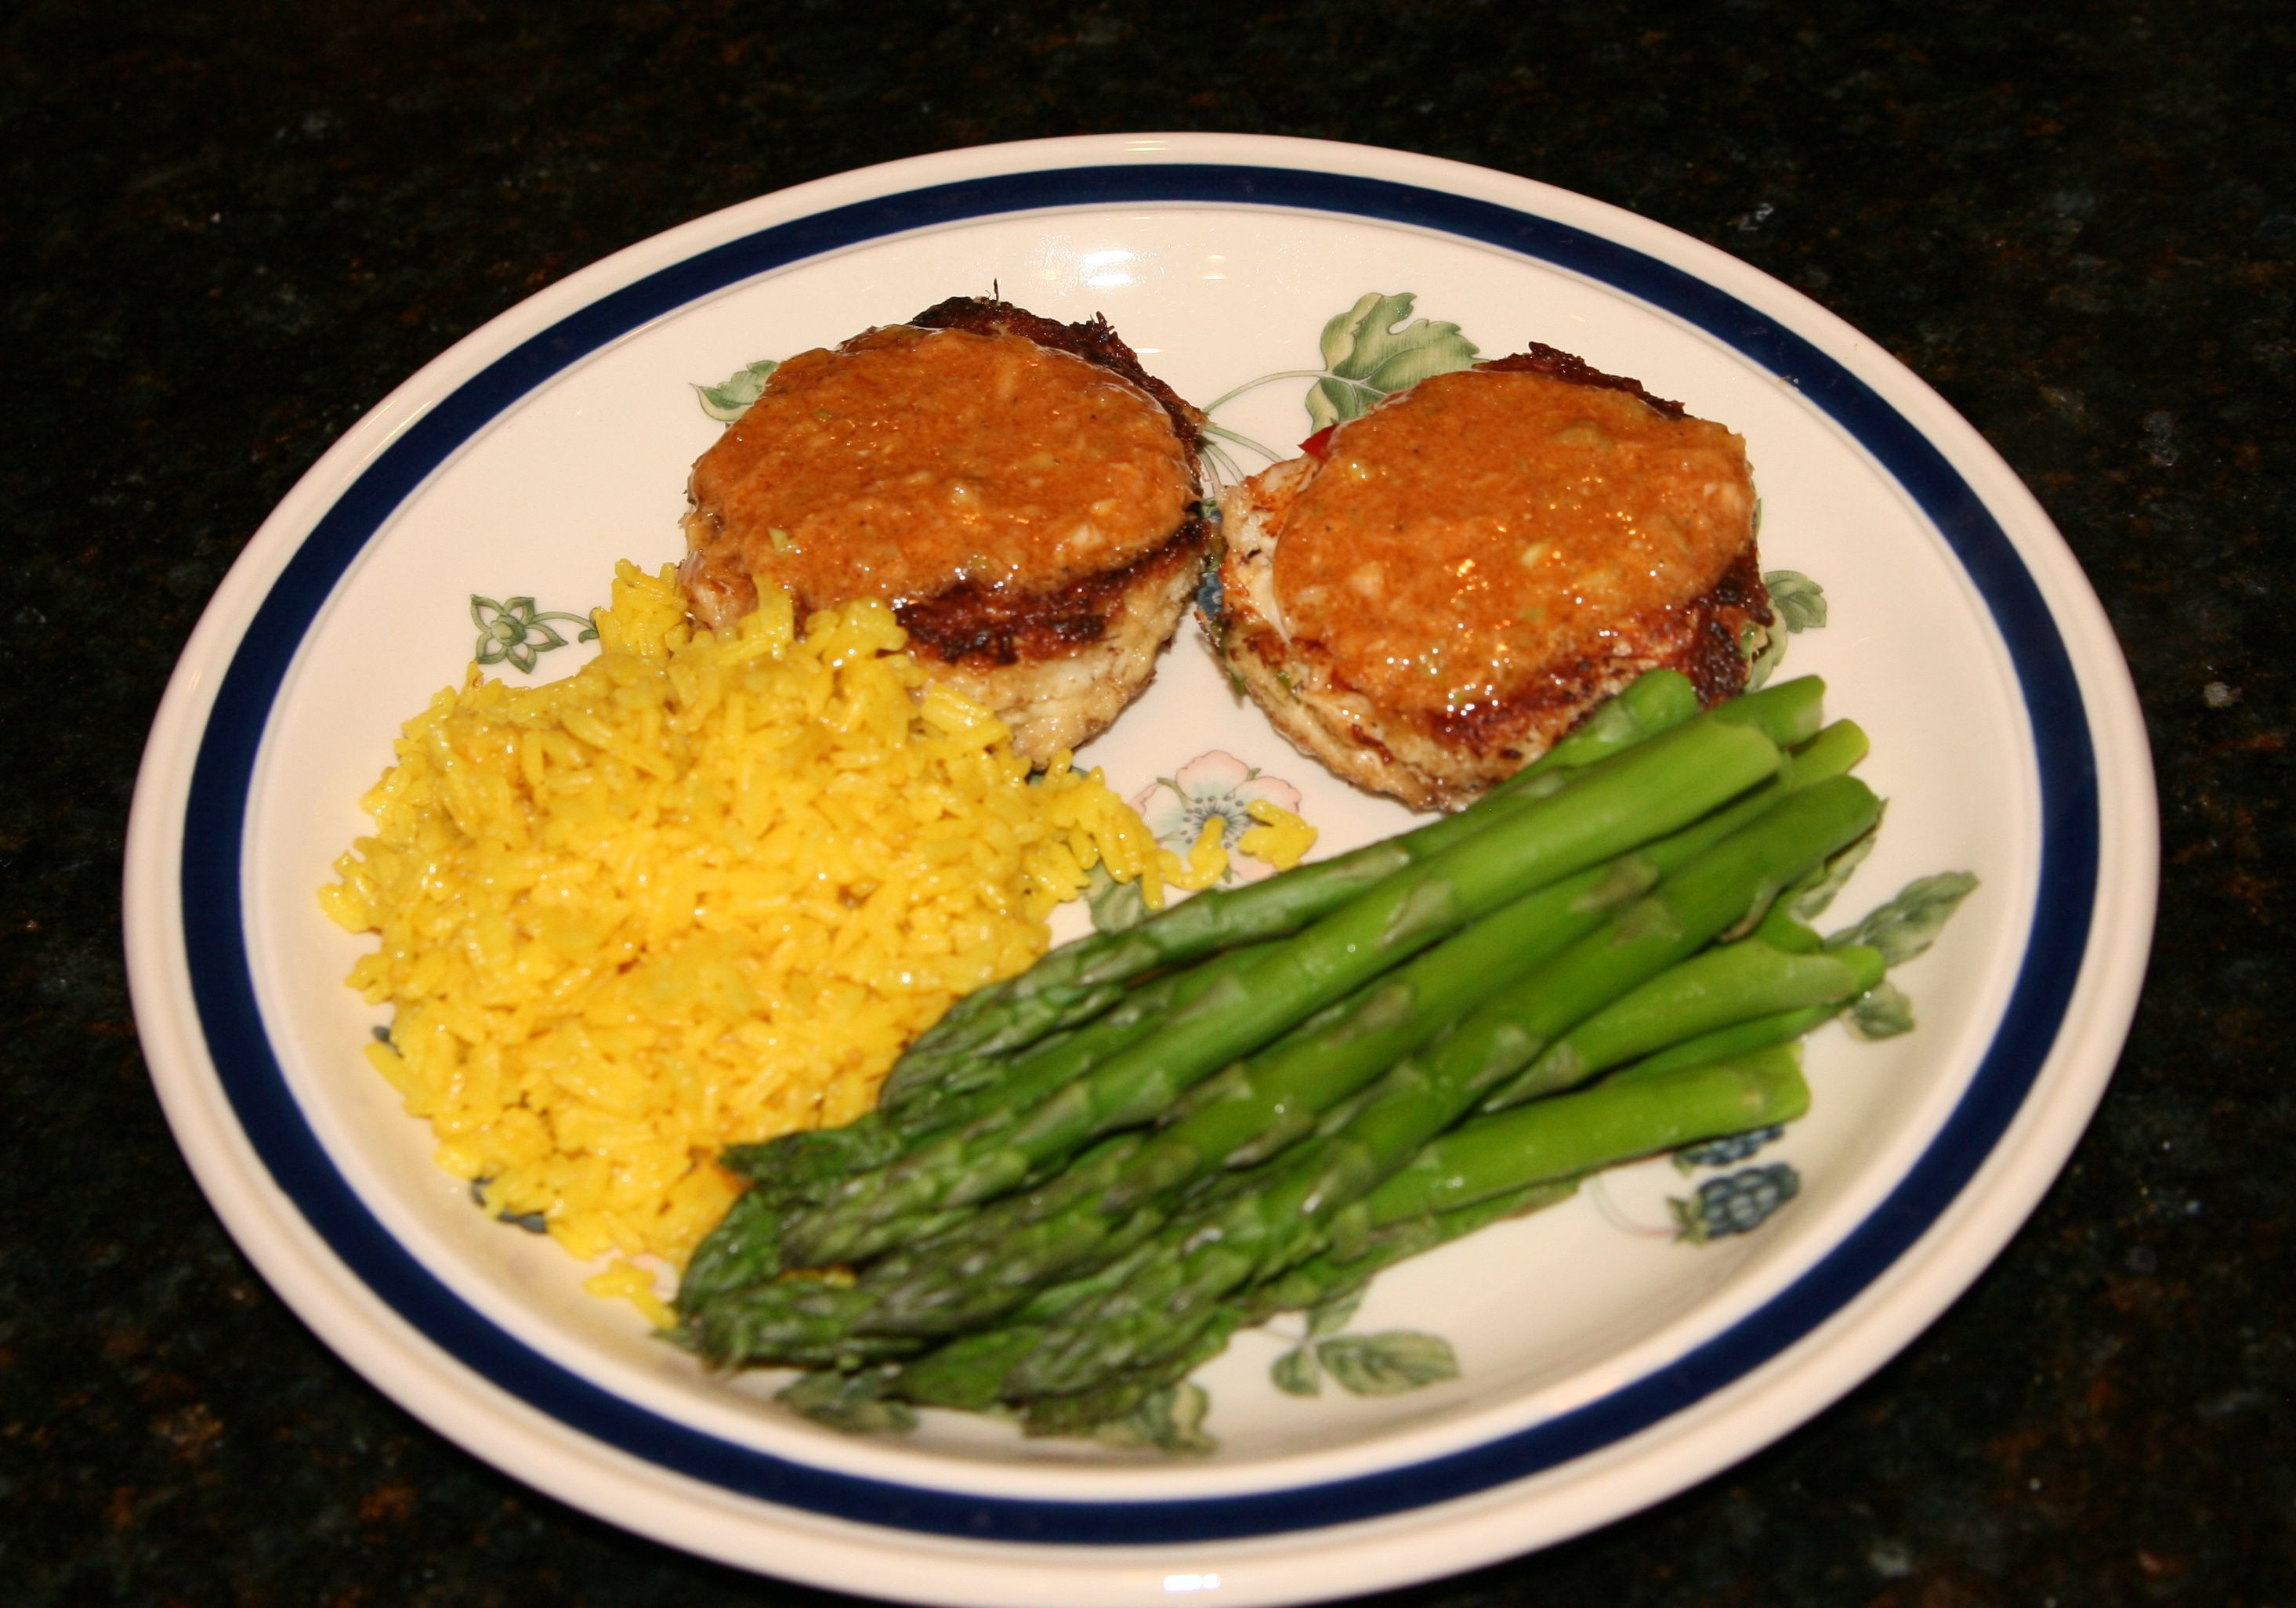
column 267, row 1112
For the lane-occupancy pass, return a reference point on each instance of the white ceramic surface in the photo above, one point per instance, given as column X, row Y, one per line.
column 1602, row 1368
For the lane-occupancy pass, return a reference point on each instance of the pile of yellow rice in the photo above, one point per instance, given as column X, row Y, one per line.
column 700, row 892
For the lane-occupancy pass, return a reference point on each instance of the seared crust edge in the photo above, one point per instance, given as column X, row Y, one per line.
column 987, row 625
column 1063, row 702
column 1537, row 358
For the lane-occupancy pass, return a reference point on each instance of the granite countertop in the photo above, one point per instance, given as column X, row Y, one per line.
column 230, row 229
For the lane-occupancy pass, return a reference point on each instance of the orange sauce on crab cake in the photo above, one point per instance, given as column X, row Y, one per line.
column 909, row 461
column 1487, row 525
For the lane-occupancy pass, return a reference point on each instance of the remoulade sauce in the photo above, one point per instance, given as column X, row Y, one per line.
column 1487, row 523
column 911, row 460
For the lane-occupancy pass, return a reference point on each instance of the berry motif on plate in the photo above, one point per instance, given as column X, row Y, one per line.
column 1723, row 1152
column 1736, row 1202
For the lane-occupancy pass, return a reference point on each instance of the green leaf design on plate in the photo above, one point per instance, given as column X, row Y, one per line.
column 512, row 632
column 1369, row 352
column 729, row 401
column 1798, row 601
column 1765, row 648
column 1297, row 1373
column 1909, row 923
column 1881, row 1011
column 1799, row 604
column 1114, row 906
column 1170, row 1420
column 1389, row 1363
column 1332, row 1315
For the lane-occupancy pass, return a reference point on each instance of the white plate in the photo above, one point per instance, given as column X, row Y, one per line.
column 1603, row 1368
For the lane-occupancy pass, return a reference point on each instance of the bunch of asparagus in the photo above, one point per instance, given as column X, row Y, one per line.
column 1082, row 1180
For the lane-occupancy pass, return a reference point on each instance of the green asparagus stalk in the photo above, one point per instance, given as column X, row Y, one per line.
column 1718, row 988
column 983, row 1084
column 1648, row 791
column 1256, row 1107
column 800, row 1167
column 744, row 1249
column 1077, row 980
column 805, row 1167
column 1724, row 1044
column 1617, row 1119
column 965, row 1372
column 1110, row 1398
column 1488, row 1169
column 758, row 1322
column 1282, row 1089
column 1328, row 1277
column 1159, row 1312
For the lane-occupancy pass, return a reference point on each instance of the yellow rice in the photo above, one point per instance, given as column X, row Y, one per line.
column 698, row 893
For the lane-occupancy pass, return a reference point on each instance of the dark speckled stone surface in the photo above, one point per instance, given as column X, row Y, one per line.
column 228, row 228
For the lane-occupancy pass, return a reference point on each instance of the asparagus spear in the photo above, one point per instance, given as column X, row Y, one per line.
column 1265, row 1100
column 1648, row 791
column 963, row 1372
column 806, row 1167
column 1739, row 1038
column 1109, row 1398
column 1327, row 1276
column 1488, row 1169
column 980, row 1085
column 1255, row 1107
column 775, row 1322
column 800, row 1165
column 744, row 1249
column 1159, row 1312
column 1617, row 1119
column 1081, row 978
column 1718, row 988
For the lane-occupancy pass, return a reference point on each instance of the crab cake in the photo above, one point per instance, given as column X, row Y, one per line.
column 1444, row 586
column 1021, row 491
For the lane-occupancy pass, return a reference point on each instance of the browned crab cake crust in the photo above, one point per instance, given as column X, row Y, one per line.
column 1470, row 567
column 1021, row 491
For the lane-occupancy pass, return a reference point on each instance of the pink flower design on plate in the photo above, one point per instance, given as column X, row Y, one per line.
column 1214, row 784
